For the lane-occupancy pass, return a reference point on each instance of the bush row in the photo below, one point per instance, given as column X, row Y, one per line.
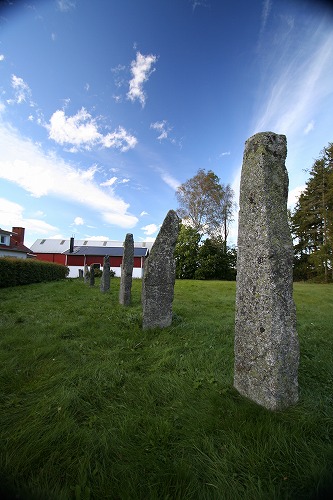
column 25, row 271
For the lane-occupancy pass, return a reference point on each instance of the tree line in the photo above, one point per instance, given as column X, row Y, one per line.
column 206, row 207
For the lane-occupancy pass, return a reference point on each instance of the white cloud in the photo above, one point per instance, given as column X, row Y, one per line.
column 12, row 214
column 294, row 194
column 109, row 182
column 81, row 130
column 226, row 153
column 168, row 179
column 41, row 174
column 78, row 221
column 141, row 69
column 295, row 89
column 162, row 128
column 143, row 213
column 2, row 57
column 124, row 181
column 2, row 107
column 22, row 91
column 309, row 127
column 150, row 229
column 98, row 238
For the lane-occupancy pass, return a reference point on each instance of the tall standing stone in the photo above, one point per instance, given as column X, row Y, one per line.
column 86, row 274
column 92, row 275
column 266, row 342
column 105, row 279
column 159, row 276
column 127, row 271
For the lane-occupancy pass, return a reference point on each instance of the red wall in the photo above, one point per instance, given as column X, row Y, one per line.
column 78, row 260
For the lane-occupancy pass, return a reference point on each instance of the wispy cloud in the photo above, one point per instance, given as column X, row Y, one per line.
column 141, row 70
column 22, row 92
column 82, row 131
column 109, row 182
column 309, row 127
column 169, row 179
column 66, row 5
column 2, row 57
column 42, row 174
column 12, row 214
column 296, row 88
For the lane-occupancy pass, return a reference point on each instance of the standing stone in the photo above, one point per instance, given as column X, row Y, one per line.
column 127, row 271
column 86, row 274
column 159, row 276
column 105, row 279
column 92, row 275
column 81, row 274
column 266, row 342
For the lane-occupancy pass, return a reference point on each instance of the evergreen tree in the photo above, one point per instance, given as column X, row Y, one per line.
column 312, row 221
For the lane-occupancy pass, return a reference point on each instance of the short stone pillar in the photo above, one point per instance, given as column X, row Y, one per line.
column 92, row 275
column 105, row 279
column 266, row 342
column 159, row 276
column 127, row 271
column 81, row 274
column 86, row 274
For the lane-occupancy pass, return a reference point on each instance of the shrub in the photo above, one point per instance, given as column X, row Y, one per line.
column 15, row 272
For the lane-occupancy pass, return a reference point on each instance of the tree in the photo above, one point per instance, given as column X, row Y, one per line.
column 312, row 221
column 206, row 205
column 214, row 263
column 186, row 252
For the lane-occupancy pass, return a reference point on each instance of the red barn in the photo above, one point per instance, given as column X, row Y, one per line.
column 76, row 254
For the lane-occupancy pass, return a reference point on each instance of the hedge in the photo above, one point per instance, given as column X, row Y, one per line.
column 15, row 272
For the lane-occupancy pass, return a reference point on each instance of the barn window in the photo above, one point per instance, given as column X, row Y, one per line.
column 105, row 243
column 43, row 241
column 62, row 242
column 85, row 242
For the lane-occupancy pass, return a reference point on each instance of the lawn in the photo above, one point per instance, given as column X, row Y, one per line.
column 92, row 407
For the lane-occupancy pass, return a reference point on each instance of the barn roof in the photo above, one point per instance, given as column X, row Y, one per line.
column 111, row 251
column 62, row 246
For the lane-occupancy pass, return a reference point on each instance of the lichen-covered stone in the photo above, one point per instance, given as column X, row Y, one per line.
column 86, row 274
column 92, row 275
column 127, row 271
column 159, row 276
column 266, row 343
column 105, row 279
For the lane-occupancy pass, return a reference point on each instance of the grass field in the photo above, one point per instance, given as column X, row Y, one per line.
column 92, row 407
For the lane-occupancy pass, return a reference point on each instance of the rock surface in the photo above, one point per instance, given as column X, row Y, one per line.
column 159, row 276
column 266, row 342
column 127, row 271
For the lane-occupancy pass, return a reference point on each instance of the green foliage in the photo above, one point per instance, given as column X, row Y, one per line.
column 94, row 407
column 214, row 262
column 207, row 261
column 25, row 271
column 186, row 252
column 312, row 222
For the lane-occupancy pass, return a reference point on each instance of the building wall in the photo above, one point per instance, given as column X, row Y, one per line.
column 12, row 253
column 74, row 271
column 51, row 257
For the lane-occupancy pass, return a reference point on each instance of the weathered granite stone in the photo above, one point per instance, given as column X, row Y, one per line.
column 86, row 274
column 92, row 275
column 127, row 271
column 159, row 276
column 266, row 342
column 105, row 279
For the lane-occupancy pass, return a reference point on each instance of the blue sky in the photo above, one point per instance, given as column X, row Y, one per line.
column 107, row 106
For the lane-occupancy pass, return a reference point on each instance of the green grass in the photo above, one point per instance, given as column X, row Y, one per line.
column 92, row 407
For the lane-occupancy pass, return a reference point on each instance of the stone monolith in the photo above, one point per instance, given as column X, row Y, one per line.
column 86, row 274
column 105, row 278
column 92, row 275
column 266, row 342
column 127, row 271
column 159, row 276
